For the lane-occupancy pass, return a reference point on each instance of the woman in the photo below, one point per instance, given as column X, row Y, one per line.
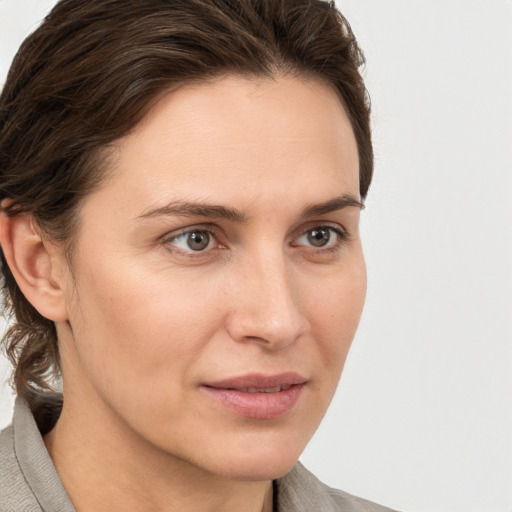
column 181, row 188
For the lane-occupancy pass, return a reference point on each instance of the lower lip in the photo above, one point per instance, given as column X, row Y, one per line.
column 260, row 406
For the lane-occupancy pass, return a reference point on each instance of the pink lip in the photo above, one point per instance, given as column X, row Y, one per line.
column 234, row 394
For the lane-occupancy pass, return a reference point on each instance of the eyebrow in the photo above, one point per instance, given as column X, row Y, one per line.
column 338, row 203
column 185, row 209
column 212, row 211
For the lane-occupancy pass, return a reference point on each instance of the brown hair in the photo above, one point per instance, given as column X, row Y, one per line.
column 89, row 73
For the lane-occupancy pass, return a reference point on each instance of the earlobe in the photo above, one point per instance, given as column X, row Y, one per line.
column 35, row 264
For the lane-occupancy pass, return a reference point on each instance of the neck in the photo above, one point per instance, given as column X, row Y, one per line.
column 119, row 471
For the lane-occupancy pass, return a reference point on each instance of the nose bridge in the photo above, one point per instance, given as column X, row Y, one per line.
column 267, row 307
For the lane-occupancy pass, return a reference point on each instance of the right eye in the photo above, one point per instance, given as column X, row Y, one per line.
column 195, row 240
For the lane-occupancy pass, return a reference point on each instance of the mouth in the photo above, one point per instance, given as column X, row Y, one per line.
column 258, row 396
column 275, row 389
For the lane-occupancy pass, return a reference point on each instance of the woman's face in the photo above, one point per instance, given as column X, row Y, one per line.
column 218, row 278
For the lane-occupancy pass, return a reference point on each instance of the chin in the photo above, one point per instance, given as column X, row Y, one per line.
column 261, row 470
column 259, row 462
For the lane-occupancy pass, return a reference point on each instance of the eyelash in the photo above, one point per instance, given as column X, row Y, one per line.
column 190, row 253
column 341, row 235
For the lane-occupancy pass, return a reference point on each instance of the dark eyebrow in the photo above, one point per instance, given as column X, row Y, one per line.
column 212, row 211
column 332, row 205
column 185, row 209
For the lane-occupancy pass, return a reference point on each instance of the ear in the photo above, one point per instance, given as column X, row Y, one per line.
column 38, row 266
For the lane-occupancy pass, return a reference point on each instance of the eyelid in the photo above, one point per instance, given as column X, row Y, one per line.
column 341, row 234
column 170, row 236
column 188, row 229
column 338, row 228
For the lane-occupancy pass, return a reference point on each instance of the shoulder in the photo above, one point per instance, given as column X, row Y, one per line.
column 28, row 479
column 15, row 494
column 301, row 491
column 343, row 499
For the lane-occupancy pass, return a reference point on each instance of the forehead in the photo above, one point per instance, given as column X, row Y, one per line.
column 228, row 138
column 246, row 110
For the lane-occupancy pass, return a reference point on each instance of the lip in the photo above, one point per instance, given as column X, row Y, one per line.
column 255, row 396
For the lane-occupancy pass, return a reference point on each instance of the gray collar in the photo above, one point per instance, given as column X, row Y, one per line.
column 35, row 462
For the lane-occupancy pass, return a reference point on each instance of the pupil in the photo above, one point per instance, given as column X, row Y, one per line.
column 198, row 241
column 319, row 237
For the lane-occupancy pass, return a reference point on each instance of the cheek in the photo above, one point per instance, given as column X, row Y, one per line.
column 146, row 329
column 335, row 311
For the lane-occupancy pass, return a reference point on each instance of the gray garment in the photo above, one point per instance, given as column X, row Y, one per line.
column 29, row 481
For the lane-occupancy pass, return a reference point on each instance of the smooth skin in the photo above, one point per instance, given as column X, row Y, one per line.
column 265, row 173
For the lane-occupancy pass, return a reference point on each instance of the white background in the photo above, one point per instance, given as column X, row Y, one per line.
column 423, row 417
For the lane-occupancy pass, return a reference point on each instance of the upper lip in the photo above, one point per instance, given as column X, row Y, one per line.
column 258, row 381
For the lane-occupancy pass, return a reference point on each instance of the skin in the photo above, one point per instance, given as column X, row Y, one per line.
column 143, row 320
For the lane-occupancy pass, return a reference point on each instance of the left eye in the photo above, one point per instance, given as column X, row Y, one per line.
column 320, row 236
column 196, row 240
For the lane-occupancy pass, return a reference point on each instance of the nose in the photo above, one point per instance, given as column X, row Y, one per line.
column 266, row 306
